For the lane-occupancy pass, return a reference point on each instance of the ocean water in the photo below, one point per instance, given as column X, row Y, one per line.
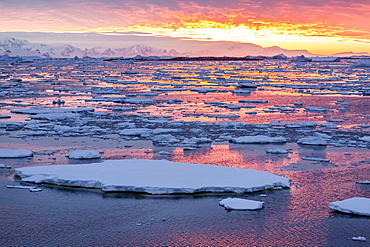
column 299, row 216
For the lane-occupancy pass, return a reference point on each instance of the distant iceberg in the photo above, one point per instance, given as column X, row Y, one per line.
column 154, row 177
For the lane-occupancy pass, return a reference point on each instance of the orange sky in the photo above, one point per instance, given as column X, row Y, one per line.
column 323, row 27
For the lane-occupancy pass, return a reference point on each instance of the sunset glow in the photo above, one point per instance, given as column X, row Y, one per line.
column 322, row 27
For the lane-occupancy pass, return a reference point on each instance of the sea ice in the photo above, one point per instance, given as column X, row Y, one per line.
column 41, row 110
column 258, row 139
column 240, row 204
column 359, row 238
column 312, row 140
column 365, row 139
column 15, row 153
column 363, row 182
column 4, row 166
column 154, row 177
column 315, row 159
column 83, row 154
column 277, row 151
column 355, row 205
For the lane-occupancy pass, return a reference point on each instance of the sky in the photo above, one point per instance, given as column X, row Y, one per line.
column 319, row 26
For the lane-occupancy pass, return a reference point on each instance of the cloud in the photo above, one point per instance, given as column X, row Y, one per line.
column 331, row 18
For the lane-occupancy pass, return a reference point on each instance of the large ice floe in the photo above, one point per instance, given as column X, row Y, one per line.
column 15, row 153
column 355, row 205
column 154, row 177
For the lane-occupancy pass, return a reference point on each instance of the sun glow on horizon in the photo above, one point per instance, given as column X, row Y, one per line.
column 284, row 35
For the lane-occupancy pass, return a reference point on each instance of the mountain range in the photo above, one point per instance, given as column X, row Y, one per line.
column 15, row 47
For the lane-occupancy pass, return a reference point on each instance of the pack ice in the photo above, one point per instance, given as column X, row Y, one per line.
column 154, row 177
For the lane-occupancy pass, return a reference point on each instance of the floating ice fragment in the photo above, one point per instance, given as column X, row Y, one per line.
column 277, row 151
column 83, row 154
column 15, row 153
column 355, row 205
column 359, row 238
column 5, row 166
column 365, row 139
column 315, row 159
column 363, row 182
column 135, row 132
column 315, row 109
column 240, row 204
column 312, row 140
column 258, row 139
column 21, row 187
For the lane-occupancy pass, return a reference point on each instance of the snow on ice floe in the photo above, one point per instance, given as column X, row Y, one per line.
column 83, row 154
column 15, row 153
column 312, row 140
column 154, row 177
column 258, row 139
column 240, row 204
column 354, row 205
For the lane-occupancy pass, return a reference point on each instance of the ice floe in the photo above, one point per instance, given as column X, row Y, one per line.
column 315, row 159
column 15, row 153
column 365, row 139
column 5, row 166
column 277, row 151
column 359, row 238
column 83, row 154
column 363, row 182
column 312, row 140
column 154, row 177
column 240, row 204
column 354, row 205
column 258, row 139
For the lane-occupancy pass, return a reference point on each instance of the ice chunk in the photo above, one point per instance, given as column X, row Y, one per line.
column 40, row 110
column 154, row 177
column 21, row 187
column 15, row 153
column 134, row 132
column 365, row 139
column 240, row 204
column 315, row 159
column 312, row 140
column 363, row 182
column 165, row 139
column 4, row 166
column 83, row 154
column 354, row 205
column 315, row 109
column 277, row 151
column 258, row 139
column 359, row 238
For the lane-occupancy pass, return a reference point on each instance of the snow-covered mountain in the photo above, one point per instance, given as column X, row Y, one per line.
column 15, row 47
